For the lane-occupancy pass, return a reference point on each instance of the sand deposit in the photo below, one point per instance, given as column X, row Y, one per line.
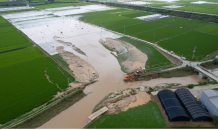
column 83, row 71
column 135, row 58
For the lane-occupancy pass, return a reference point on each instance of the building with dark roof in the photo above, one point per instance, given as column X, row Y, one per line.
column 192, row 106
column 172, row 106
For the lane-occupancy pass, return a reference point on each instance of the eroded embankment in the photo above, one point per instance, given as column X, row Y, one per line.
column 129, row 57
column 82, row 70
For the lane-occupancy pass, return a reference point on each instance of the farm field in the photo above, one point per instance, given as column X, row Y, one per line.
column 121, row 23
column 12, row 39
column 144, row 116
column 155, row 58
column 185, row 43
column 209, row 28
column 18, row 56
column 182, row 23
column 14, row 47
column 161, row 30
column 160, row 34
column 7, row 29
column 28, row 84
column 55, row 5
column 138, row 28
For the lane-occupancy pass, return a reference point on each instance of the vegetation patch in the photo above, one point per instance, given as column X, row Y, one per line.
column 210, row 64
column 181, row 72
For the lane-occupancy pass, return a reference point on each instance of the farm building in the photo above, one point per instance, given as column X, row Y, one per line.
column 173, row 108
column 192, row 106
column 209, row 98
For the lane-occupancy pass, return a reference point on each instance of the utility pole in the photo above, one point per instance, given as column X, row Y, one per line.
column 193, row 52
column 154, row 38
column 124, row 30
column 68, row 83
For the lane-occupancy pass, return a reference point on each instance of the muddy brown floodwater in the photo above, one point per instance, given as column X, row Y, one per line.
column 85, row 37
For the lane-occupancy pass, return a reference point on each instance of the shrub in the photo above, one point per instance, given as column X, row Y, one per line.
column 215, row 120
column 200, row 83
column 215, row 61
column 191, row 86
column 205, row 82
column 151, row 89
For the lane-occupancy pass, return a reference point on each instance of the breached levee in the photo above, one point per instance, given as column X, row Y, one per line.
column 128, row 55
column 82, row 70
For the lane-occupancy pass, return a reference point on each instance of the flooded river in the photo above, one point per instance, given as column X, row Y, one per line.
column 42, row 27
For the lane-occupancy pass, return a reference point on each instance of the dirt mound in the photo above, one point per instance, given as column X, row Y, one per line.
column 82, row 70
column 128, row 55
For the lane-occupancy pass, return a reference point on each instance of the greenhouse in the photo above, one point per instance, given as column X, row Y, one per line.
column 173, row 108
column 192, row 106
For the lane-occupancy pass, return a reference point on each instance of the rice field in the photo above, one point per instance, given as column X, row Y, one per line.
column 12, row 39
column 209, row 28
column 138, row 28
column 28, row 77
column 160, row 34
column 18, row 56
column 182, row 23
column 24, row 86
column 160, row 31
column 184, row 44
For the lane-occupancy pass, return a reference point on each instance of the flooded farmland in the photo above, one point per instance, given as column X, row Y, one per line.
column 52, row 30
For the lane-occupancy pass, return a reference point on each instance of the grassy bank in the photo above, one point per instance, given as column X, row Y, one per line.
column 209, row 65
column 181, row 72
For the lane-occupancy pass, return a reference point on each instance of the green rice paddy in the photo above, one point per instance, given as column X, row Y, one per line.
column 162, row 31
column 184, row 44
column 24, row 86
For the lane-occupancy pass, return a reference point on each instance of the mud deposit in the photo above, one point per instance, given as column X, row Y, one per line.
column 82, row 70
column 135, row 58
column 141, row 98
column 98, row 60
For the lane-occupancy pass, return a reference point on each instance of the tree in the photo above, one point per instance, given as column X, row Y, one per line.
column 215, row 61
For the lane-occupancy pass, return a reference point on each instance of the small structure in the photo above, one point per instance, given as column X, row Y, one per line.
column 192, row 106
column 98, row 113
column 152, row 17
column 209, row 98
column 173, row 108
